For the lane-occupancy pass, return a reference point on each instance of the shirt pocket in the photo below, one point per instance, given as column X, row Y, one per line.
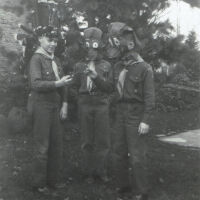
column 47, row 72
column 137, row 85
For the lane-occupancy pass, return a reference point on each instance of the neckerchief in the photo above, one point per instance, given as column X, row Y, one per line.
column 128, row 60
column 91, row 66
column 53, row 64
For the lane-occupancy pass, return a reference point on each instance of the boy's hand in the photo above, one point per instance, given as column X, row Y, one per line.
column 143, row 128
column 63, row 111
column 91, row 73
column 65, row 80
column 90, row 70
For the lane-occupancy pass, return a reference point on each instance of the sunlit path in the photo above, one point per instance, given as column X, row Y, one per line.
column 187, row 139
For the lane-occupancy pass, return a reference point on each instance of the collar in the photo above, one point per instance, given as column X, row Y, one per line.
column 131, row 58
column 40, row 50
column 98, row 58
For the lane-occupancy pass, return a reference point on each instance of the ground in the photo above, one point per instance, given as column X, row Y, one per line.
column 174, row 171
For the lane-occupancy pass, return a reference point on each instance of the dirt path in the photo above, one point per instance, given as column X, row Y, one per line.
column 174, row 171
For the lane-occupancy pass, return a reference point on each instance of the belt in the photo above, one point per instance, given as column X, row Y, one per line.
column 94, row 93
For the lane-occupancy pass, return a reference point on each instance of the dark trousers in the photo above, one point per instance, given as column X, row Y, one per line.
column 129, row 148
column 47, row 145
column 95, row 133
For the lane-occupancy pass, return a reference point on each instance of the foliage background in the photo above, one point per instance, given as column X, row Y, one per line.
column 159, row 45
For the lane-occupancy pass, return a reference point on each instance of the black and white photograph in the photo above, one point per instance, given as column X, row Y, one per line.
column 99, row 99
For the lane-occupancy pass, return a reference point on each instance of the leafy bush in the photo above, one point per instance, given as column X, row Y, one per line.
column 172, row 99
column 181, row 79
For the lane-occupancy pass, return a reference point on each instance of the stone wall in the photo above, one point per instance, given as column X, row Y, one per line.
column 12, row 12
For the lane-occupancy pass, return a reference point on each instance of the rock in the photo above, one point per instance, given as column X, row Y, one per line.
column 10, row 50
column 17, row 82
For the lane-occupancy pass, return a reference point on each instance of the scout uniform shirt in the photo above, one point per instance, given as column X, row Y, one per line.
column 44, row 72
column 134, row 81
column 102, row 85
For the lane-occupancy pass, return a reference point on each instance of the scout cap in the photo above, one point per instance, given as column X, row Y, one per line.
column 93, row 33
column 114, row 28
column 127, row 29
column 48, row 31
column 117, row 29
column 93, row 37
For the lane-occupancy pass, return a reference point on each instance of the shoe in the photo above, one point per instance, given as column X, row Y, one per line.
column 48, row 191
column 142, row 197
column 124, row 190
column 44, row 190
column 104, row 179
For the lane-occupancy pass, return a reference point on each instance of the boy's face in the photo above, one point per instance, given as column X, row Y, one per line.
column 122, row 44
column 127, row 42
column 48, row 44
column 92, row 47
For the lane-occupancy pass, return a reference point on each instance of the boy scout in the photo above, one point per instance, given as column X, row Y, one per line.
column 47, row 104
column 135, row 103
column 94, row 80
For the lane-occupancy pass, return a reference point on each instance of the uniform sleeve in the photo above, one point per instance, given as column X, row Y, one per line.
column 76, row 82
column 71, row 90
column 63, row 93
column 149, row 95
column 37, row 83
column 65, row 96
column 64, row 89
column 106, row 85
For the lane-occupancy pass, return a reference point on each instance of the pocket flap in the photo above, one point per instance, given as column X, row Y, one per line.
column 135, row 79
